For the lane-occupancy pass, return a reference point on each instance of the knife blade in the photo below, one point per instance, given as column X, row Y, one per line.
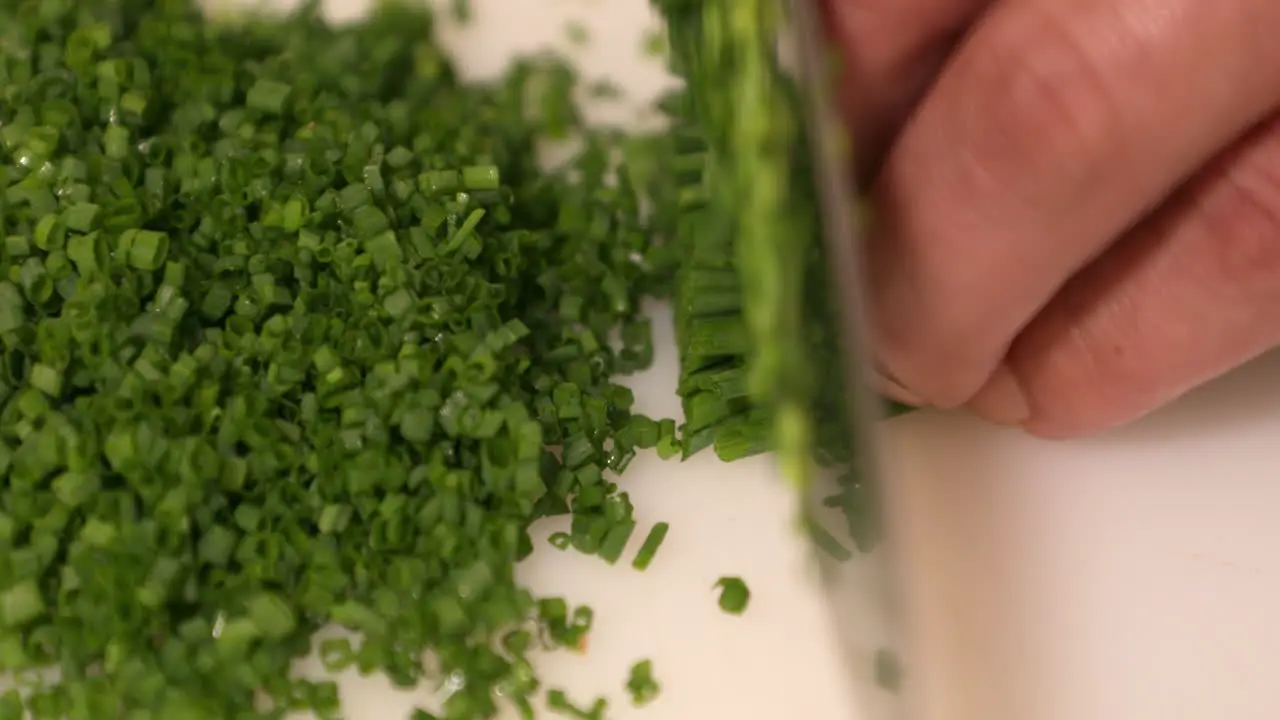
column 861, row 591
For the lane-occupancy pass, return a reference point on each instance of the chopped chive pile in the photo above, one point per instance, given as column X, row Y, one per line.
column 734, row 595
column 641, row 685
column 294, row 332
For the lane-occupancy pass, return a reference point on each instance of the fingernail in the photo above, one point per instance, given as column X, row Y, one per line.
column 889, row 385
column 1002, row 400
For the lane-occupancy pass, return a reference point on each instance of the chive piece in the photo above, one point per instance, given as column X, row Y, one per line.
column 888, row 670
column 654, row 44
column 46, row 379
column 641, row 685
column 480, row 177
column 461, row 10
column 744, row 436
column 560, row 540
column 268, row 96
column 615, row 542
column 715, row 337
column 894, row 408
column 20, row 604
column 148, row 249
column 668, row 442
column 649, row 549
column 12, row 308
column 826, row 542
column 81, row 217
column 734, row 595
column 704, row 410
column 604, row 90
column 115, row 142
column 272, row 616
column 577, row 34
column 558, row 702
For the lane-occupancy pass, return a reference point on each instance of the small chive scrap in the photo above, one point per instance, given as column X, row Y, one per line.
column 461, row 11
column 654, row 43
column 558, row 702
column 888, row 670
column 734, row 595
column 641, row 685
column 649, row 549
column 604, row 90
column 577, row 34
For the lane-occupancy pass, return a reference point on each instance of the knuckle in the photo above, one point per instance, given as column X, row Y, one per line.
column 1051, row 107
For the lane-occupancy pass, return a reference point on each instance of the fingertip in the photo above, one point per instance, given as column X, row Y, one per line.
column 1039, row 410
column 1046, row 425
column 1002, row 400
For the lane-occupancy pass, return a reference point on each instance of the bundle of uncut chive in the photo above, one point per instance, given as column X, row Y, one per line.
column 759, row 356
column 295, row 333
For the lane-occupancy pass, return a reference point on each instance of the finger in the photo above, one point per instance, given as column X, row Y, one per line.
column 1056, row 126
column 892, row 50
column 1190, row 294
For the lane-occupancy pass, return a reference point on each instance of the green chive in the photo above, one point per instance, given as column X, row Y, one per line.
column 888, row 670
column 615, row 541
column 558, row 702
column 81, row 217
column 577, row 34
column 734, row 595
column 21, row 603
column 649, row 549
column 268, row 96
column 641, row 685
column 480, row 177
column 148, row 249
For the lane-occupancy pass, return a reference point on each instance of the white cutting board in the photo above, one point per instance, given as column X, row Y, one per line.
column 1130, row 577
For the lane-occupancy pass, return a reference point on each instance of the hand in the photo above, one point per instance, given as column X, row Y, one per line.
column 1077, row 201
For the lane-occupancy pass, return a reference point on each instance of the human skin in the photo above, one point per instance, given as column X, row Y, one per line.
column 1077, row 202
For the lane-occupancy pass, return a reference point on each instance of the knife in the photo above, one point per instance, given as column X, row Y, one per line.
column 862, row 591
